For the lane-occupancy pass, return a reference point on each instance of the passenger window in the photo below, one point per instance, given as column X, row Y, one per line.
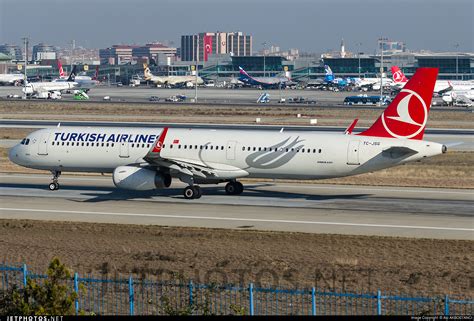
column 314, row 150
column 132, row 145
column 148, row 145
column 195, row 146
column 171, row 146
column 179, row 146
column 302, row 150
column 255, row 148
column 260, row 148
column 222, row 148
column 207, row 146
column 185, row 146
column 113, row 144
column 243, row 149
column 212, row 147
column 107, row 145
column 87, row 144
column 67, row 143
column 52, row 143
column 319, row 151
column 102, row 144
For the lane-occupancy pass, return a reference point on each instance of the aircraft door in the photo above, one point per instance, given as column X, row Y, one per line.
column 353, row 153
column 43, row 144
column 230, row 152
column 124, row 152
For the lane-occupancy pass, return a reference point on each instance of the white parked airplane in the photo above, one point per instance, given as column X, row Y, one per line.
column 147, row 159
column 441, row 86
column 11, row 79
column 171, row 80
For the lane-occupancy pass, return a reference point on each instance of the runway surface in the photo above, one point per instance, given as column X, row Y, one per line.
column 464, row 138
column 389, row 211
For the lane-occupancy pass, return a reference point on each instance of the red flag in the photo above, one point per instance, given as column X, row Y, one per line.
column 207, row 46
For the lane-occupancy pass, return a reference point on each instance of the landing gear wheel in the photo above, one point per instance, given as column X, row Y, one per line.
column 239, row 188
column 234, row 188
column 190, row 192
column 53, row 186
column 230, row 188
column 198, row 191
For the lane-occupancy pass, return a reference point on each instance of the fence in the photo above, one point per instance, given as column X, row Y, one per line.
column 140, row 297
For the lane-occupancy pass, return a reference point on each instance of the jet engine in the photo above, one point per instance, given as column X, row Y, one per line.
column 140, row 179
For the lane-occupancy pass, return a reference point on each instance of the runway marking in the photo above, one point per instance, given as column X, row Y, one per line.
column 295, row 186
column 239, row 219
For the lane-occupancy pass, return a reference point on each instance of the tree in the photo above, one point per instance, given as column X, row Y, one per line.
column 51, row 297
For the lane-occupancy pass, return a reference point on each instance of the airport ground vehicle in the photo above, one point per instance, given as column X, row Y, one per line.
column 366, row 100
column 80, row 95
column 154, row 98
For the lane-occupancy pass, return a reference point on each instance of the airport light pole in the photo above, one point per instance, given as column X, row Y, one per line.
column 457, row 58
column 264, row 44
column 25, row 80
column 358, row 55
column 381, row 71
column 196, row 84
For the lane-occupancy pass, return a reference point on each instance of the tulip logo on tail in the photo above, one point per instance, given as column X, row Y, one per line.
column 411, row 111
column 407, row 114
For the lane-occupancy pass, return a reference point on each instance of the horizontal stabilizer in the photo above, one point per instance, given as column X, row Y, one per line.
column 398, row 152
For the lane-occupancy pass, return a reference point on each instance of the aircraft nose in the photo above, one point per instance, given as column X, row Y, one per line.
column 13, row 154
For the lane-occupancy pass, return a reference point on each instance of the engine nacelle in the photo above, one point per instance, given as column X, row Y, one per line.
column 140, row 179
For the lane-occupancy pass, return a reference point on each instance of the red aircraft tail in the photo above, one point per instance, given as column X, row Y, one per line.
column 61, row 70
column 407, row 114
column 398, row 75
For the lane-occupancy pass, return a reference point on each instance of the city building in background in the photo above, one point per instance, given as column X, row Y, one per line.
column 13, row 51
column 43, row 51
column 153, row 53
column 199, row 47
column 390, row 46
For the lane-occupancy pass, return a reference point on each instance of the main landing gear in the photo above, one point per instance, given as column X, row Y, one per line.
column 192, row 191
column 55, row 185
column 234, row 188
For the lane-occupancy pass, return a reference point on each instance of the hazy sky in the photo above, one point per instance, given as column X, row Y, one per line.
column 309, row 25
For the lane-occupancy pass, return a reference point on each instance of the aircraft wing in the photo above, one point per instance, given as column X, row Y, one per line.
column 197, row 169
column 191, row 168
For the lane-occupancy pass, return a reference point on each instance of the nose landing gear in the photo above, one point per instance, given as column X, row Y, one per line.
column 55, row 185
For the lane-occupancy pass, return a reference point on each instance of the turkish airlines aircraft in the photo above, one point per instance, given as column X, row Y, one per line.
column 441, row 86
column 147, row 159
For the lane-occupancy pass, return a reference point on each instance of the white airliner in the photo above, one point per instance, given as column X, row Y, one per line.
column 11, row 79
column 147, row 159
column 441, row 86
column 171, row 80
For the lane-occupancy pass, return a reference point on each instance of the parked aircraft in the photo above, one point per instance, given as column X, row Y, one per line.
column 263, row 82
column 42, row 88
column 11, row 79
column 149, row 158
column 172, row 81
column 441, row 86
column 84, row 83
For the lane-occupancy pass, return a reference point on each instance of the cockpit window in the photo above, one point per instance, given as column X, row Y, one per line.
column 25, row 141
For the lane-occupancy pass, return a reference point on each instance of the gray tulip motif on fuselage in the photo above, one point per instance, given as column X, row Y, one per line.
column 274, row 156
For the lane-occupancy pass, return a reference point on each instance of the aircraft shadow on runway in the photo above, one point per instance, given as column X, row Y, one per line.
column 101, row 193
